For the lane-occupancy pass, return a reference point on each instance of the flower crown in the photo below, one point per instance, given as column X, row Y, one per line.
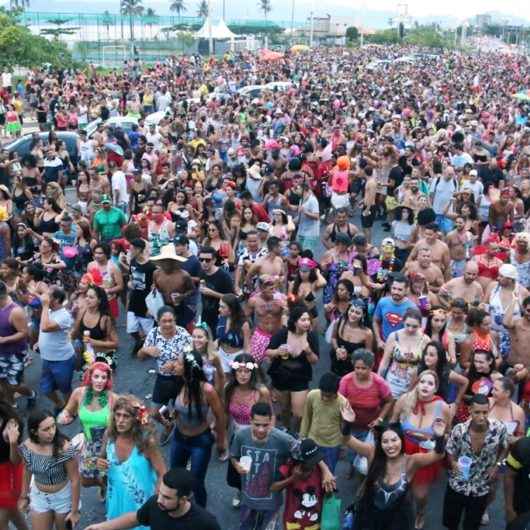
column 235, row 365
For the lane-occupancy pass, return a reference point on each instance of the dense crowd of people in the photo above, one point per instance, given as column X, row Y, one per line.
column 237, row 240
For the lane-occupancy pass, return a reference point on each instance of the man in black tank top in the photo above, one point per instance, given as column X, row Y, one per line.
column 341, row 225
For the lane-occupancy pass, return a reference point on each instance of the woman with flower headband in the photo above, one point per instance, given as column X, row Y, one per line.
column 242, row 391
column 130, row 458
column 192, row 439
column 92, row 402
column 418, row 411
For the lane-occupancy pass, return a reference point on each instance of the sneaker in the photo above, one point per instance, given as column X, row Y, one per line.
column 166, row 435
column 31, row 400
column 236, row 501
column 485, row 519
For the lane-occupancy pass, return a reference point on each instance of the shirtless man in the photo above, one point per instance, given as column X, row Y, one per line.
column 439, row 249
column 271, row 265
column 269, row 308
column 519, row 329
column 368, row 208
column 466, row 287
column 340, row 226
column 459, row 242
column 175, row 284
column 424, row 265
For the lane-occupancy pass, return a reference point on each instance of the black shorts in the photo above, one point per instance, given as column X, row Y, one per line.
column 367, row 221
column 167, row 387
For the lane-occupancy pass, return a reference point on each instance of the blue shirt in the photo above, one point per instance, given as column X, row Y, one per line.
column 390, row 314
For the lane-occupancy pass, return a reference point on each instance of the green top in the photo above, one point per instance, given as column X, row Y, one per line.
column 322, row 419
column 108, row 223
column 93, row 418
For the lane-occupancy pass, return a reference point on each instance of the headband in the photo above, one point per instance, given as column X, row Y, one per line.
column 235, row 365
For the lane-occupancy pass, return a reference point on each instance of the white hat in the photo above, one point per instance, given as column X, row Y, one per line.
column 255, row 172
column 168, row 252
column 473, row 173
column 508, row 271
column 263, row 226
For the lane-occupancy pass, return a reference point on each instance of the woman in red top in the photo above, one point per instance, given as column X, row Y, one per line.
column 488, row 262
column 368, row 393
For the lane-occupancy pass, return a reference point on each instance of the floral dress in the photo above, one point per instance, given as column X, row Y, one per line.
column 130, row 483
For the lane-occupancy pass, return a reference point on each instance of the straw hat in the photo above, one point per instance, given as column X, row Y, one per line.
column 168, row 252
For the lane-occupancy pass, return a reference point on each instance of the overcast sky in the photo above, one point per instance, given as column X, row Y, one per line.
column 281, row 9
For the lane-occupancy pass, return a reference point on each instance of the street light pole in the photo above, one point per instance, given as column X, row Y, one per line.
column 292, row 21
column 210, row 36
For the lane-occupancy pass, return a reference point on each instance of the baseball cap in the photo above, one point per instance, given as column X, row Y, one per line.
column 139, row 243
column 105, row 199
column 309, row 452
column 182, row 240
column 263, row 226
column 388, row 241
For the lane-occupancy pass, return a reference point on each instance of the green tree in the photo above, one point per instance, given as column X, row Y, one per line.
column 151, row 18
column 202, row 9
column 19, row 47
column 265, row 6
column 131, row 8
column 178, row 6
column 352, row 33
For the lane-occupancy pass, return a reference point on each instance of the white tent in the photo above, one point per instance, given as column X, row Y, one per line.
column 219, row 31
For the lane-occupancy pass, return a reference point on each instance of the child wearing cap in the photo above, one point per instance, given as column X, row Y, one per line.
column 302, row 481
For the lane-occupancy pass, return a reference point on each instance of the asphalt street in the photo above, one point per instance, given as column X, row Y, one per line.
column 134, row 377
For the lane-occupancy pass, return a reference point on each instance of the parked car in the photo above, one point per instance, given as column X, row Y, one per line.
column 125, row 122
column 22, row 145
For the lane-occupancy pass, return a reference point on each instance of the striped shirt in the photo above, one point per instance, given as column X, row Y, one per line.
column 48, row 470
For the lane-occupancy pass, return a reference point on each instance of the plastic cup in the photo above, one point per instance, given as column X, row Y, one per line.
column 246, row 462
column 464, row 466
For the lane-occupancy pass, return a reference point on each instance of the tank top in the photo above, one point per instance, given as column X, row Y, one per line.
column 240, row 410
column 190, row 420
column 387, row 496
column 93, row 419
column 231, row 338
column 48, row 227
column 411, row 430
column 96, row 333
column 7, row 329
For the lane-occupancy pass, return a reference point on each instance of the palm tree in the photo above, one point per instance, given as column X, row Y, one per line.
column 265, row 6
column 151, row 17
column 107, row 21
column 131, row 8
column 18, row 4
column 202, row 9
column 178, row 6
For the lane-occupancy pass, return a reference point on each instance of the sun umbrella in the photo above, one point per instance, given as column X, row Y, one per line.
column 297, row 48
column 115, row 148
column 269, row 55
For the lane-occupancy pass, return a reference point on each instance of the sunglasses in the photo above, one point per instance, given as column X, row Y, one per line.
column 205, row 260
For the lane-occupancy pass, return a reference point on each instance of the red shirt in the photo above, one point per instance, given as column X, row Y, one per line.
column 303, row 499
column 366, row 402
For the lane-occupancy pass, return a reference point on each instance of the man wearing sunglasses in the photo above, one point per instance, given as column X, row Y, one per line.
column 214, row 283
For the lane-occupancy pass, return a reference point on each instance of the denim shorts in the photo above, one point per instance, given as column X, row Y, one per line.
column 58, row 502
column 57, row 375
